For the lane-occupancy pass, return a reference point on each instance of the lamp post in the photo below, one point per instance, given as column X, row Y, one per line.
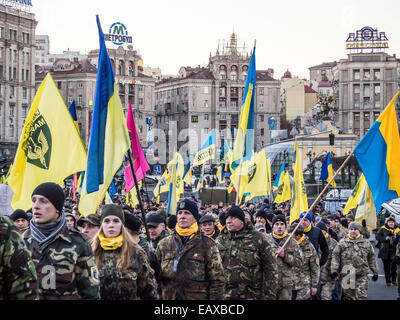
column 311, row 166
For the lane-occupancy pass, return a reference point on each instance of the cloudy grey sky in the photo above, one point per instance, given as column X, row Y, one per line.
column 172, row 33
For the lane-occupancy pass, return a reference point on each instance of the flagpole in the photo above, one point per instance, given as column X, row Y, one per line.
column 140, row 201
column 240, row 171
column 319, row 197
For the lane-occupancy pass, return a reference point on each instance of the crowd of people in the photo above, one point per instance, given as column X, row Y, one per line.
column 203, row 252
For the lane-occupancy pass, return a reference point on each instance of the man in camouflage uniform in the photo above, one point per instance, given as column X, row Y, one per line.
column 191, row 267
column 337, row 227
column 157, row 228
column 248, row 258
column 18, row 279
column 351, row 259
column 308, row 274
column 327, row 283
column 287, row 258
column 63, row 258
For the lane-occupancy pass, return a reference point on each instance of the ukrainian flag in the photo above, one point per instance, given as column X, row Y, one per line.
column 187, row 174
column 109, row 136
column 72, row 111
column 279, row 178
column 244, row 142
column 327, row 170
column 206, row 152
column 378, row 155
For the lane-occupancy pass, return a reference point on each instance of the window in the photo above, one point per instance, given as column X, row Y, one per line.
column 356, row 123
column 262, row 131
column 205, row 89
column 261, row 91
column 233, row 76
column 222, row 103
column 222, row 75
column 206, row 116
column 26, row 75
column 205, row 103
column 261, row 105
column 377, row 74
column 1, row 72
column 80, row 84
column 12, row 107
column 222, row 92
column 367, row 123
column 12, row 92
column 80, row 100
column 1, row 53
column 13, row 34
column 1, row 32
column 244, row 76
column 24, row 110
column 27, row 58
column 356, row 74
column 14, row 55
column 261, row 117
column 59, row 85
column 140, row 100
column 233, row 104
column 69, row 100
column 356, row 95
column 22, row 74
column 367, row 90
column 140, row 88
column 367, row 75
column 24, row 93
column 11, row 130
column 70, row 85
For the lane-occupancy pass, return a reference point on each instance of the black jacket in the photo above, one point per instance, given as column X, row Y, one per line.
column 318, row 240
column 387, row 249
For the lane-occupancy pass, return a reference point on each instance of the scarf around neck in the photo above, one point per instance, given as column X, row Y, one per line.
column 184, row 232
column 110, row 243
column 359, row 235
column 43, row 233
column 301, row 239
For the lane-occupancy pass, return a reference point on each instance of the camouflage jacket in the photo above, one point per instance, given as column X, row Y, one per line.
column 341, row 232
column 325, row 269
column 192, row 271
column 358, row 254
column 309, row 272
column 143, row 243
column 66, row 268
column 291, row 259
column 18, row 278
column 249, row 265
column 136, row 282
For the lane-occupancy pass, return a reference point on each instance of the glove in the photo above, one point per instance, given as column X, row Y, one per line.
column 334, row 275
column 364, row 223
column 374, row 277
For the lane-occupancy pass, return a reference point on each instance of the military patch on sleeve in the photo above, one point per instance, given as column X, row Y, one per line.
column 94, row 273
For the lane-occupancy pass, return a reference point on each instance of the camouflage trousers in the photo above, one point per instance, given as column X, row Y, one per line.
column 357, row 290
column 326, row 290
column 302, row 294
column 284, row 293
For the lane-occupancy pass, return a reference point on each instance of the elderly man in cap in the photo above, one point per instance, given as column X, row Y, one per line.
column 191, row 267
column 288, row 257
column 248, row 258
column 157, row 227
column 208, row 226
column 20, row 219
column 351, row 260
column 63, row 258
column 89, row 226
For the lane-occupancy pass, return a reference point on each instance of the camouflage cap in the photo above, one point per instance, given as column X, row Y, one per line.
column 93, row 219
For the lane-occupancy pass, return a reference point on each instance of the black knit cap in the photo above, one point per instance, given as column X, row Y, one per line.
column 322, row 226
column 132, row 222
column 262, row 214
column 190, row 206
column 53, row 192
column 19, row 214
column 236, row 212
column 279, row 217
column 112, row 210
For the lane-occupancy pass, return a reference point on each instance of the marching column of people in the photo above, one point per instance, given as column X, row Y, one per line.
column 203, row 252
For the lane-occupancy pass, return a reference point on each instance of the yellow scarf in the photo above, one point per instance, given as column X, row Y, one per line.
column 359, row 235
column 306, row 230
column 301, row 239
column 279, row 237
column 110, row 243
column 220, row 226
column 326, row 235
column 394, row 231
column 210, row 236
column 184, row 232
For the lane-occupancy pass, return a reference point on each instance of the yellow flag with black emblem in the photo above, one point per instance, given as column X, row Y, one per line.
column 283, row 190
column 50, row 148
column 299, row 199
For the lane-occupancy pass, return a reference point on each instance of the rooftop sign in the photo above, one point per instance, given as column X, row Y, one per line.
column 118, row 34
column 367, row 38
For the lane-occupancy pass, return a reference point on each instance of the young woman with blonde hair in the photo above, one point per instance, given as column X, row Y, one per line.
column 124, row 270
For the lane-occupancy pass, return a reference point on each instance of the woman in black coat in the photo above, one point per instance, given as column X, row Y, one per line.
column 387, row 249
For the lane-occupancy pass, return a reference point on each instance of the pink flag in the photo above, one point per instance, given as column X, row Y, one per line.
column 140, row 164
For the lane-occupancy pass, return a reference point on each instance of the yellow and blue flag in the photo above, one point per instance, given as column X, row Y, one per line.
column 327, row 170
column 187, row 174
column 356, row 195
column 224, row 162
column 50, row 149
column 378, row 155
column 206, row 152
column 109, row 136
column 175, row 168
column 279, row 177
column 284, row 189
column 72, row 111
column 244, row 142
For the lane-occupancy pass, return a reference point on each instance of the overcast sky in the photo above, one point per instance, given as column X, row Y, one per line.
column 173, row 33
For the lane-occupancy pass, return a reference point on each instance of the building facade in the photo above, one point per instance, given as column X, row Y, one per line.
column 367, row 83
column 17, row 74
column 42, row 50
column 209, row 98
